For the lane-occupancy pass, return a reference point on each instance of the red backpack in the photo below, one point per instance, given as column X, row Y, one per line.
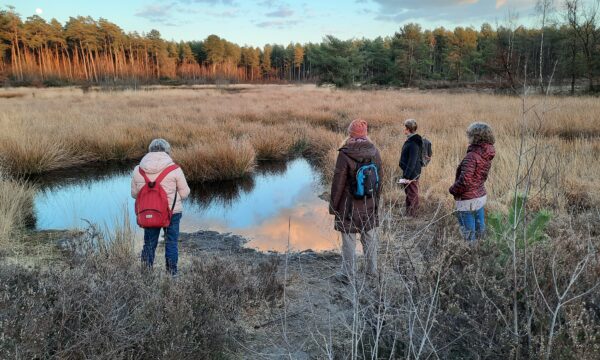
column 151, row 204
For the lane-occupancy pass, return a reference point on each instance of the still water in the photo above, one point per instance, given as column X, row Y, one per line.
column 258, row 208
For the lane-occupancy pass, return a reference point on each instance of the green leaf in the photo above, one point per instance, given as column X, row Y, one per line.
column 497, row 224
column 517, row 211
column 537, row 227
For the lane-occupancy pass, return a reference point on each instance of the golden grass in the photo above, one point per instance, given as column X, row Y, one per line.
column 222, row 160
column 16, row 208
column 219, row 135
column 10, row 95
column 271, row 143
column 36, row 154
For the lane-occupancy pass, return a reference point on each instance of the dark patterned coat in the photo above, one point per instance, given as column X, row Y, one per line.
column 472, row 172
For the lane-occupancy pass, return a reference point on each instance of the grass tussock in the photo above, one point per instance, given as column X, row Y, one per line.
column 29, row 155
column 271, row 143
column 224, row 160
column 318, row 143
column 16, row 209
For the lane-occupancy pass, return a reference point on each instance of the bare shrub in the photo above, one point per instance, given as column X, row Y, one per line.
column 109, row 309
column 438, row 297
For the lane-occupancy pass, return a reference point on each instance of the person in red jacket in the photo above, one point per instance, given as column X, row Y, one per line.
column 469, row 185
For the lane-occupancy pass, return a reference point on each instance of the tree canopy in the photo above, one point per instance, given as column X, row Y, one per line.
column 85, row 49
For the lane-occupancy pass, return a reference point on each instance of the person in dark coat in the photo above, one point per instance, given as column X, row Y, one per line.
column 356, row 216
column 469, row 184
column 410, row 163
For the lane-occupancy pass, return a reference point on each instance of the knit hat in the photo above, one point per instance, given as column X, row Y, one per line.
column 358, row 129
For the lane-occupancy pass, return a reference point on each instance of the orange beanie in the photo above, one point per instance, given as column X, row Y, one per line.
column 358, row 129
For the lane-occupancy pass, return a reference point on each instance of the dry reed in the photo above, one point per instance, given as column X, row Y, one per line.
column 277, row 122
column 224, row 160
column 16, row 209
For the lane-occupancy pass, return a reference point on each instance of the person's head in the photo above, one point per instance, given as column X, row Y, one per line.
column 159, row 145
column 410, row 126
column 480, row 133
column 358, row 129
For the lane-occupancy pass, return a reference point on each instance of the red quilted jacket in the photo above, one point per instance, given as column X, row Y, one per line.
column 473, row 172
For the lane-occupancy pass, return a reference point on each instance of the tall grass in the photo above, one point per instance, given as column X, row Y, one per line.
column 29, row 154
column 207, row 127
column 222, row 160
column 271, row 143
column 16, row 210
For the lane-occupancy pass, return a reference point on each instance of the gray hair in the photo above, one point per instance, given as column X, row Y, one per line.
column 480, row 133
column 411, row 125
column 159, row 145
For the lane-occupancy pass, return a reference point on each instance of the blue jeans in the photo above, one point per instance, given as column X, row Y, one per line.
column 171, row 252
column 472, row 224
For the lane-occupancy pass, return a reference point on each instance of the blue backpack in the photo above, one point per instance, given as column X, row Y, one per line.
column 366, row 180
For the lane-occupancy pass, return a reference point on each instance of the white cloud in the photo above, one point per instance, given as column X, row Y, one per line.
column 279, row 24
column 447, row 10
column 159, row 13
column 281, row 12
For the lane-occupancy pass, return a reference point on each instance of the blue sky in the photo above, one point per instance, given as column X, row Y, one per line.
column 256, row 22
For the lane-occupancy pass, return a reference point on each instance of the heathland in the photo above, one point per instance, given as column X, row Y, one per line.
column 518, row 294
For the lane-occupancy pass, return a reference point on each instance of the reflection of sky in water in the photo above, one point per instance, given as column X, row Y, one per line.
column 101, row 202
column 259, row 210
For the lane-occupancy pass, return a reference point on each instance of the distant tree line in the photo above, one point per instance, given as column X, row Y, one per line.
column 98, row 51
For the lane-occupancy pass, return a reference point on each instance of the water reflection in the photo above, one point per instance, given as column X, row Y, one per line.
column 225, row 193
column 81, row 176
column 259, row 208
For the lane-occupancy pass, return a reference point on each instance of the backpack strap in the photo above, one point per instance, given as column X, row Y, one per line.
column 160, row 177
column 143, row 173
column 164, row 173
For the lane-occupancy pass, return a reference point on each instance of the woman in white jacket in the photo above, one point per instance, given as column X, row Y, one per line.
column 153, row 163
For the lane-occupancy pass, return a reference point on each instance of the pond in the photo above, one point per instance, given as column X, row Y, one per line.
column 260, row 208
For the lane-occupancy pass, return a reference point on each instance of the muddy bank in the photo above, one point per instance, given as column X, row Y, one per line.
column 213, row 242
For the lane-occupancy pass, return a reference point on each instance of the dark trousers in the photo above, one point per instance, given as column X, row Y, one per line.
column 412, row 198
column 171, row 252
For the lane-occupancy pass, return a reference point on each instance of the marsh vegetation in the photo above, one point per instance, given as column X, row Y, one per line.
column 437, row 297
